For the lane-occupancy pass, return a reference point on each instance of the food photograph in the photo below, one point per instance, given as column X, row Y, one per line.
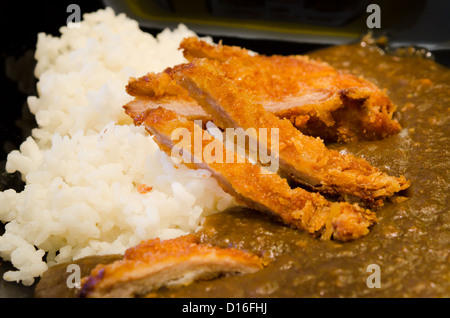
column 222, row 149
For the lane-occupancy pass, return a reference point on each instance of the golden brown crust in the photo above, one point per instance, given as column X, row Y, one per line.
column 267, row 192
column 185, row 108
column 282, row 78
column 155, row 86
column 195, row 48
column 316, row 98
column 155, row 263
column 304, row 158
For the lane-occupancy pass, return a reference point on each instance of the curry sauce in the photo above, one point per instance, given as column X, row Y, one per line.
column 411, row 241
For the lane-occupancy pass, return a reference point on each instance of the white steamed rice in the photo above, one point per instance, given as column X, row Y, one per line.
column 83, row 163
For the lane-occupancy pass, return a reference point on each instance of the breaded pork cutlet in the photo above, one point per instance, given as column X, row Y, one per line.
column 256, row 188
column 304, row 159
column 165, row 263
column 318, row 99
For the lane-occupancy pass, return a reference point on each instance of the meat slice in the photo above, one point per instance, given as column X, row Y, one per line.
column 318, row 99
column 169, row 263
column 185, row 108
column 254, row 187
column 160, row 90
column 302, row 158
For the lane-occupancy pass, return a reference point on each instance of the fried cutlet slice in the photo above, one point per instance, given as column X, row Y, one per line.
column 165, row 263
column 253, row 186
column 303, row 158
column 185, row 108
column 317, row 98
column 160, row 90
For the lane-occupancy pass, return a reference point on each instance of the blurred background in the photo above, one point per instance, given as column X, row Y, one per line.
column 420, row 22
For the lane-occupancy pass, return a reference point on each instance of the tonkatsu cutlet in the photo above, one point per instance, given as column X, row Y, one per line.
column 304, row 159
column 256, row 188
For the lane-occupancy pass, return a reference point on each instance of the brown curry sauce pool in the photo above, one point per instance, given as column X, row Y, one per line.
column 411, row 241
